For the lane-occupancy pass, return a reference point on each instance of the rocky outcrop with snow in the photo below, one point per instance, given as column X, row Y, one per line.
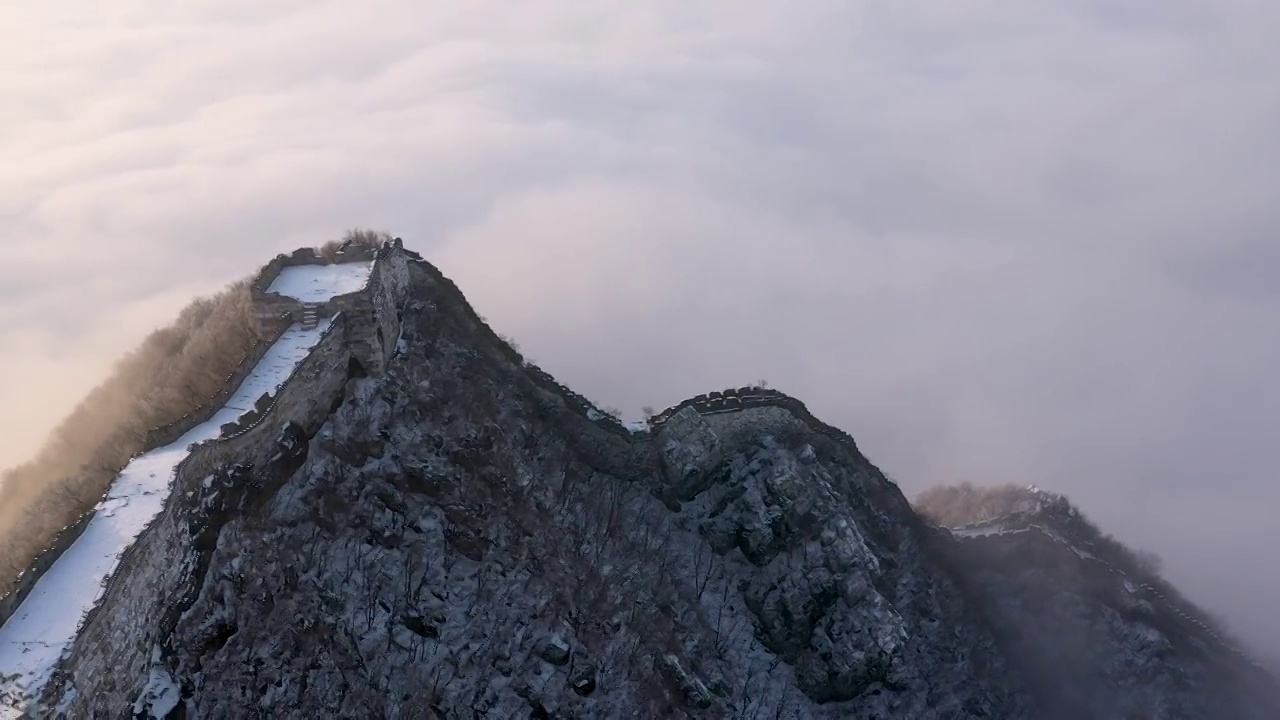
column 458, row 537
column 425, row 526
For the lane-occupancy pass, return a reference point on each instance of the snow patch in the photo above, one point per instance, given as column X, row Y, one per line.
column 64, row 705
column 160, row 695
column 321, row 283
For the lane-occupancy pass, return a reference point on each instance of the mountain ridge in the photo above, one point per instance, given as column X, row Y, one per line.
column 436, row 528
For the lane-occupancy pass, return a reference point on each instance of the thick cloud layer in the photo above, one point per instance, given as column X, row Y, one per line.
column 1003, row 242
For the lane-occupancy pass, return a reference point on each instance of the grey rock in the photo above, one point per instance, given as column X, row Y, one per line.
column 583, row 680
column 556, row 651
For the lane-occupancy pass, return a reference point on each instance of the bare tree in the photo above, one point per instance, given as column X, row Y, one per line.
column 174, row 373
column 360, row 238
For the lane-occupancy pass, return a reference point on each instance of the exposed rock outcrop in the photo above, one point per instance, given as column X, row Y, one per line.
column 433, row 528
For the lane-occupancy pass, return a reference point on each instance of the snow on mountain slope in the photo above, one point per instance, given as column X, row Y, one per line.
column 45, row 625
column 431, row 526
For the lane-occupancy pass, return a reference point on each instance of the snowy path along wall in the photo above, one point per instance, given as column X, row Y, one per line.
column 47, row 622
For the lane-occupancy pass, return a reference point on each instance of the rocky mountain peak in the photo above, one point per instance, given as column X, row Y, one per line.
column 418, row 523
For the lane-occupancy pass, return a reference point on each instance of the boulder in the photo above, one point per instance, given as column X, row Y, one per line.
column 555, row 651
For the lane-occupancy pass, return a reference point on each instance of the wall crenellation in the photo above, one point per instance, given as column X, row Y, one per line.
column 269, row 306
column 166, row 434
column 743, row 398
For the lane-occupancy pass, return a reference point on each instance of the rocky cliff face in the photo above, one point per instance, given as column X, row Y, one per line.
column 455, row 537
column 458, row 540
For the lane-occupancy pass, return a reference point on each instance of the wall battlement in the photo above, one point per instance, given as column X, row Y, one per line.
column 745, row 398
column 271, row 307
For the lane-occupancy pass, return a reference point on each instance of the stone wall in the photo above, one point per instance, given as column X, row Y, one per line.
column 275, row 312
column 65, row 538
column 388, row 293
column 156, row 438
column 307, row 256
column 111, row 654
column 373, row 313
column 737, row 399
column 166, row 434
column 150, row 574
column 270, row 306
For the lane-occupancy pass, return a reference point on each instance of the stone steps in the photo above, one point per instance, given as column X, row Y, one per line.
column 310, row 316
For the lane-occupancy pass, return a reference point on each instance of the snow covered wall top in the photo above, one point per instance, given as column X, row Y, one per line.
column 288, row 285
column 321, row 283
column 43, row 628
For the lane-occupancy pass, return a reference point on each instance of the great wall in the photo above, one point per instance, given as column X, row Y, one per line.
column 1025, row 524
column 290, row 380
column 119, row 623
column 122, row 623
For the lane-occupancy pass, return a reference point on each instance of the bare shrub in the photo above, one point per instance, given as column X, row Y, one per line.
column 173, row 372
column 355, row 238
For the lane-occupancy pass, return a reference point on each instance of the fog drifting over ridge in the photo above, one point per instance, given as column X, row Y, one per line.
column 999, row 244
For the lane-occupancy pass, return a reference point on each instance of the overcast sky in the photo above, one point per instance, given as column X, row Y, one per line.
column 996, row 241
